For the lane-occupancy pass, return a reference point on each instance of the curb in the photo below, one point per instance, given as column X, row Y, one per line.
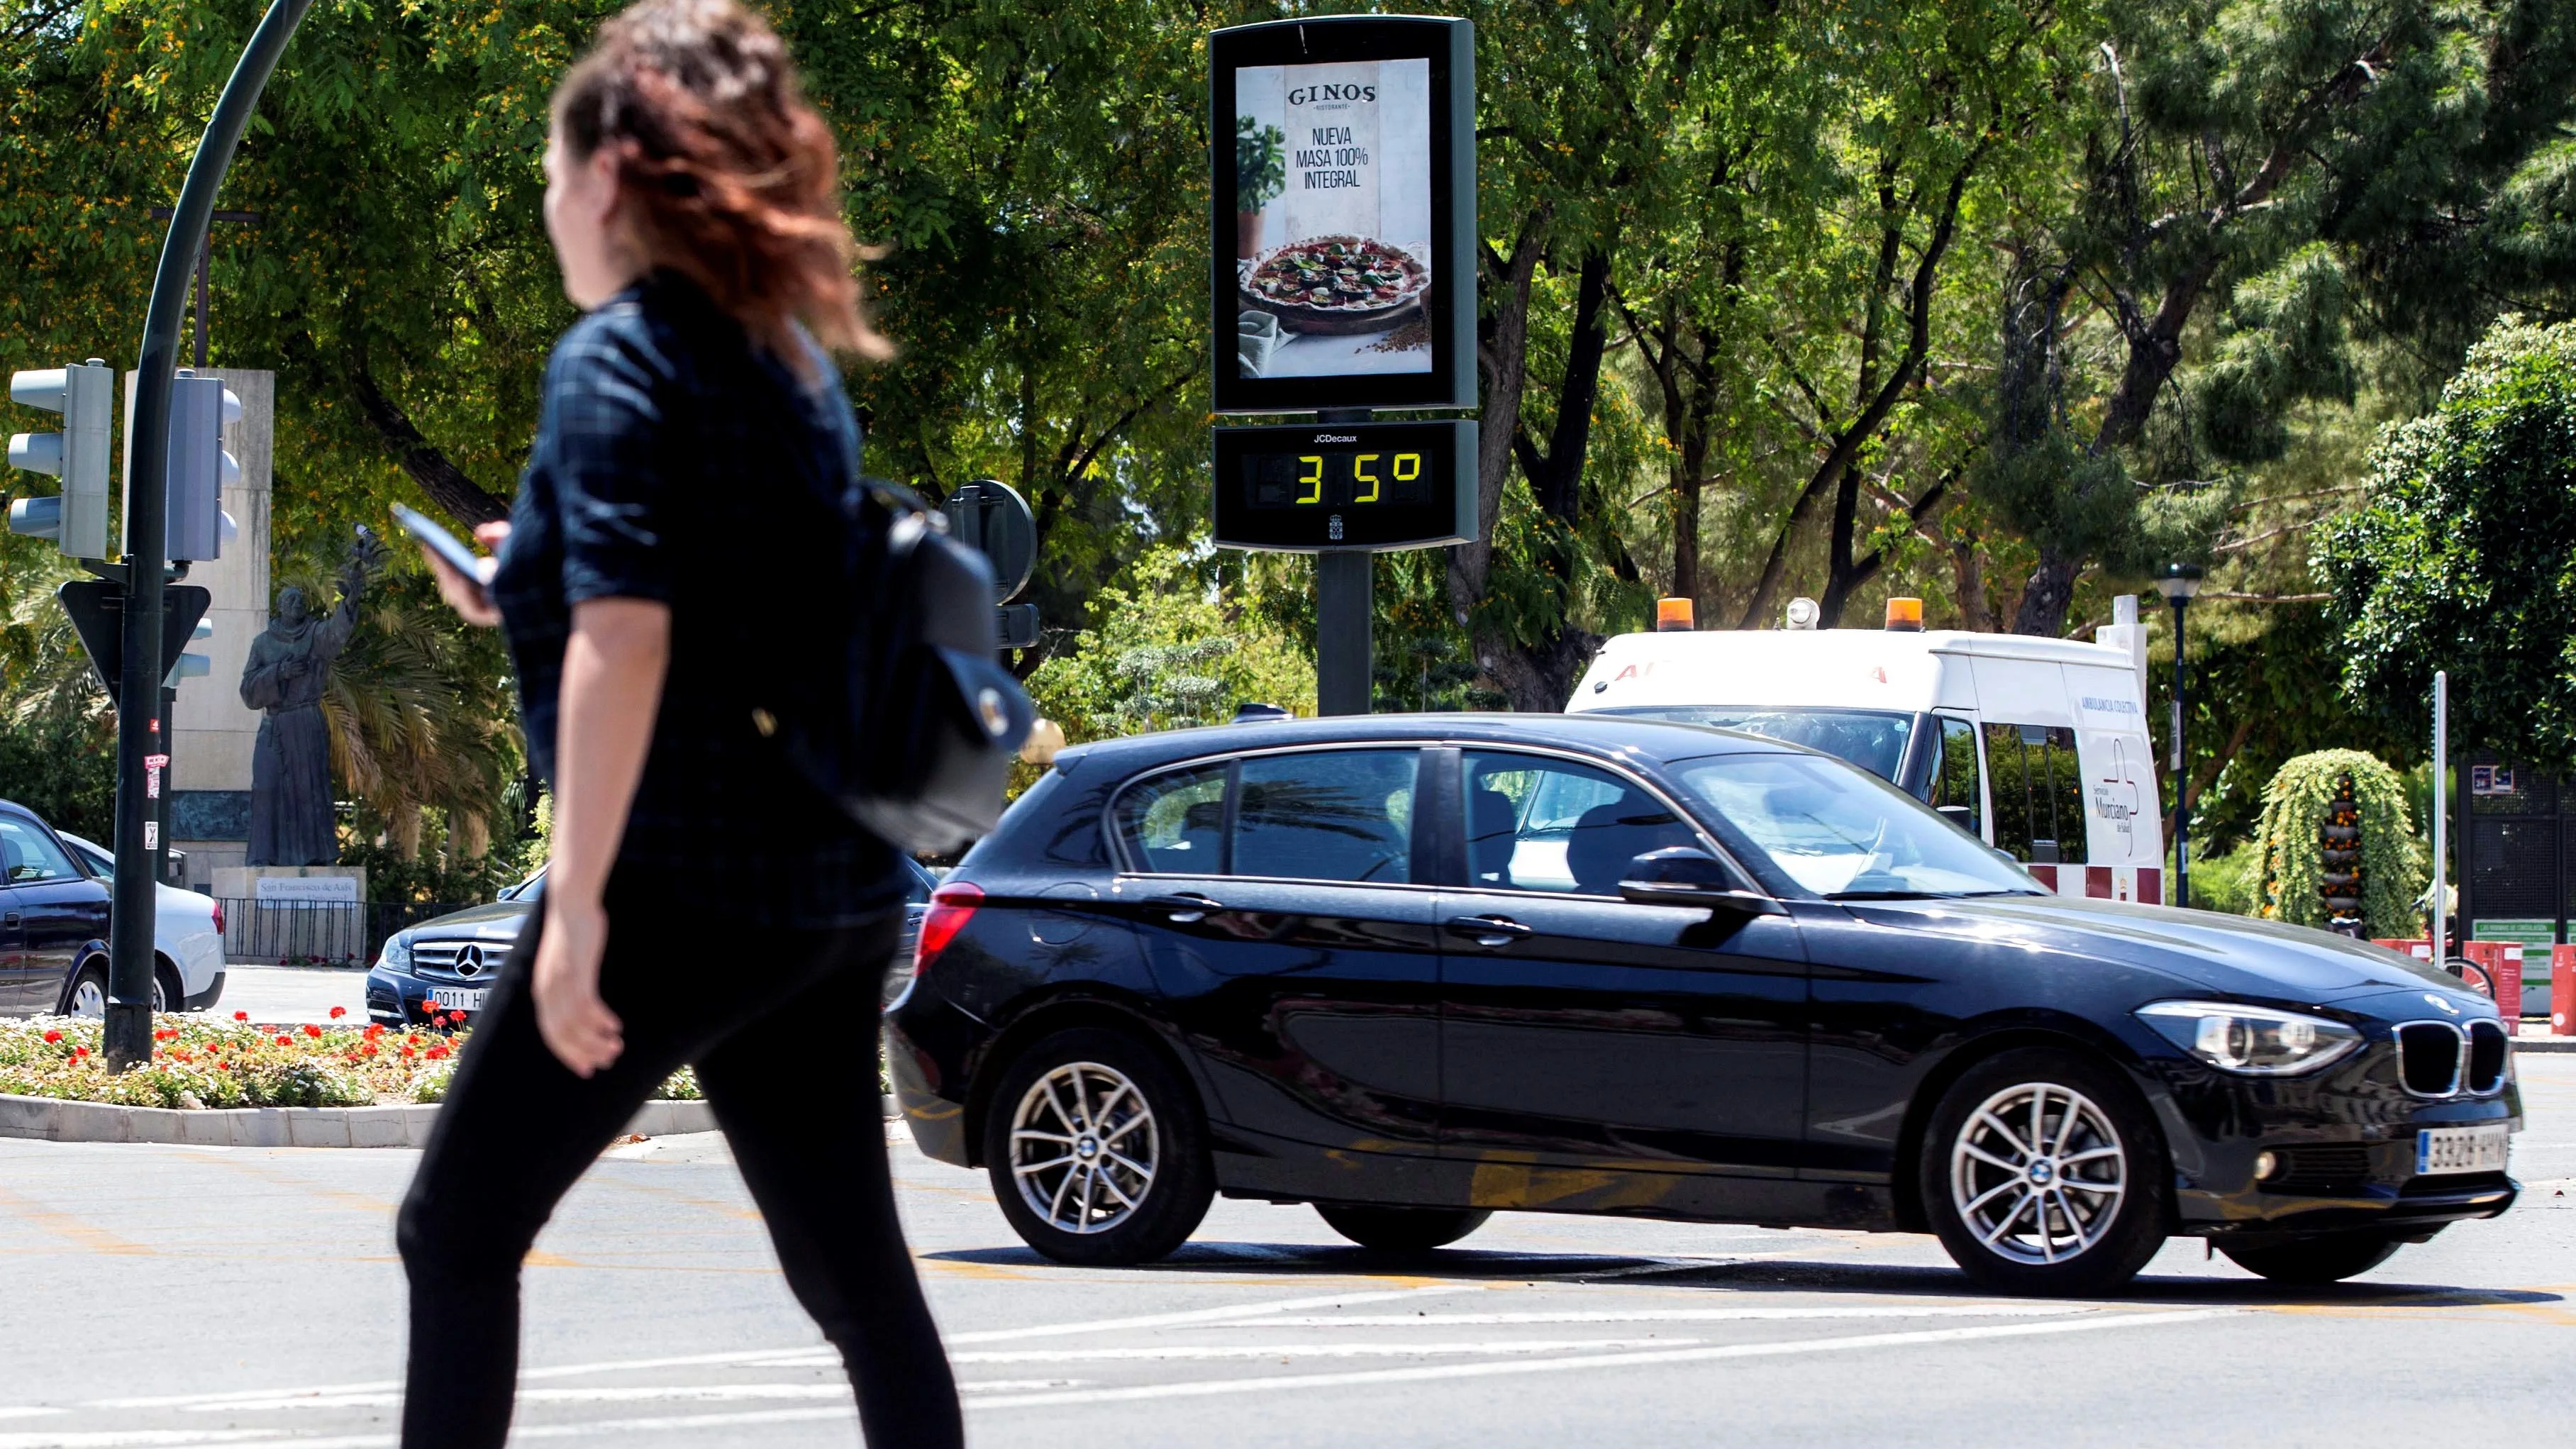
column 51, row 1120
column 2526, row 1044
column 402, row 1126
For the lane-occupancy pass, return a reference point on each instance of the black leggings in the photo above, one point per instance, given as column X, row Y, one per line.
column 518, row 1129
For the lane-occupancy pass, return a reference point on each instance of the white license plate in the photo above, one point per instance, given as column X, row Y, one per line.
column 2461, row 1149
column 457, row 998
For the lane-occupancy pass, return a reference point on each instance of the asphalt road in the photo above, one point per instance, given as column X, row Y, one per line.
column 172, row 1297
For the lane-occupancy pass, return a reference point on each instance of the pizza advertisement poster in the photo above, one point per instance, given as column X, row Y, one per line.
column 1342, row 200
column 1333, row 238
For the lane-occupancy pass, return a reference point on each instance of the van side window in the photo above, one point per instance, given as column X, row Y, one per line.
column 1954, row 775
column 2039, row 793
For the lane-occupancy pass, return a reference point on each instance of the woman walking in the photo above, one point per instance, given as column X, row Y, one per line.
column 702, row 903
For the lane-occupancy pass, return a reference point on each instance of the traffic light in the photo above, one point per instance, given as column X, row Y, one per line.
column 85, row 395
column 200, row 469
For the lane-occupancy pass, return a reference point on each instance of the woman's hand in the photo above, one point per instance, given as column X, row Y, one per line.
column 470, row 598
column 575, row 1021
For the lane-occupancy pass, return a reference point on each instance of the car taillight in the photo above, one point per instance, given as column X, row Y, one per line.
column 951, row 907
column 219, row 918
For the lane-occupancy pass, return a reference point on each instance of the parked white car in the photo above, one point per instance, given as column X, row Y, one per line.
column 187, row 931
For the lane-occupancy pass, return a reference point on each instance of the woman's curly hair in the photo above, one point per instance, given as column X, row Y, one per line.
column 731, row 177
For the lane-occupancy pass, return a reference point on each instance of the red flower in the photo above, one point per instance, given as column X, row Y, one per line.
column 53, row 1036
column 375, row 1029
column 79, row 1052
column 314, row 1031
column 369, row 1049
column 427, row 1004
column 456, row 1018
column 284, row 1040
column 438, row 1020
column 437, row 1053
column 339, row 1011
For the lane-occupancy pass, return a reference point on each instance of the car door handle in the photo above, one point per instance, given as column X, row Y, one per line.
column 1185, row 909
column 1488, row 930
column 10, row 919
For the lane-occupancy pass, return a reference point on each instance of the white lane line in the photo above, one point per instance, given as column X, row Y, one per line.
column 127, row 1438
column 1240, row 1312
column 760, row 1355
column 1253, row 1350
column 624, row 1393
column 1310, row 1350
column 1209, row 1387
column 150, row 1439
column 1675, row 1315
column 30, row 1412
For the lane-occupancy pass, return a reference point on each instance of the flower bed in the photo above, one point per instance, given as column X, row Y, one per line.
column 199, row 1063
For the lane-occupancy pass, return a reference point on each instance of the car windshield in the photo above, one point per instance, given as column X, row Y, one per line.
column 1872, row 739
column 1846, row 836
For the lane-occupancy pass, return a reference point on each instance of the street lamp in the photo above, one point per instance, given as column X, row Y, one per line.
column 2178, row 583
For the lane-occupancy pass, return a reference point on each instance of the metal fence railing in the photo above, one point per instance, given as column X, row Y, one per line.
column 318, row 933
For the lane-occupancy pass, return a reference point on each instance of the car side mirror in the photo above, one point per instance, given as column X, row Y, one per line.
column 1959, row 815
column 1682, row 875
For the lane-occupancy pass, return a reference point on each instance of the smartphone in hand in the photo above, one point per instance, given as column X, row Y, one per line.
column 472, row 568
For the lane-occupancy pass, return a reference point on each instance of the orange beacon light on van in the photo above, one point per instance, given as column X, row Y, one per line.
column 1905, row 615
column 1673, row 616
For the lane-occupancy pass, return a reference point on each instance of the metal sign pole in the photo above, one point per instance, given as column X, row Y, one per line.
column 1343, row 604
column 139, row 752
column 2441, row 813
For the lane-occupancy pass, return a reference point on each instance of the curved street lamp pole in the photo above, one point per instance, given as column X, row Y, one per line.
column 2178, row 582
column 139, row 749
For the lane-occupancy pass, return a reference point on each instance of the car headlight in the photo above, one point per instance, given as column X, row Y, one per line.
column 396, row 955
column 2253, row 1040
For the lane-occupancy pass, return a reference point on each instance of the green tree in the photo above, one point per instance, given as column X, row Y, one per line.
column 2462, row 556
column 2263, row 180
column 1168, row 649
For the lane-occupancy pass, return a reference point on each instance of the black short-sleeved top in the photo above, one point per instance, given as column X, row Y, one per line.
column 676, row 461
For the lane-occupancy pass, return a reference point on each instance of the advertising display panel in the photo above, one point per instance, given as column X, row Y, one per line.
column 1346, row 486
column 1343, row 214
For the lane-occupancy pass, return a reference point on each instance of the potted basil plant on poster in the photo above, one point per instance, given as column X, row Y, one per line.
column 1260, row 174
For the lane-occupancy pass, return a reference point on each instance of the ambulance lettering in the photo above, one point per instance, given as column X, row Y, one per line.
column 2116, row 796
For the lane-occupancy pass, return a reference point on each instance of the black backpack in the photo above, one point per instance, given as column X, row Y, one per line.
column 916, row 742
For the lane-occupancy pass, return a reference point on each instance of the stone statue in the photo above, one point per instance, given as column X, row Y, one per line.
column 290, row 773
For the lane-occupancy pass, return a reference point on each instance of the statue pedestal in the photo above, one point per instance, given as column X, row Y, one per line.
column 294, row 914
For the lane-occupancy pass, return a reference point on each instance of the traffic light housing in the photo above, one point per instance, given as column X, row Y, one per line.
column 86, row 397
column 200, row 469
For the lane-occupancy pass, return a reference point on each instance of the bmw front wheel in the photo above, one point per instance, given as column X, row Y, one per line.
column 1097, row 1150
column 2043, row 1173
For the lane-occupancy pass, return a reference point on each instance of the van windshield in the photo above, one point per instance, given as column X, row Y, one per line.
column 1871, row 739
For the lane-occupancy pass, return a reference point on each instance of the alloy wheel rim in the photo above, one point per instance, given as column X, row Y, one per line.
column 2038, row 1173
column 1083, row 1148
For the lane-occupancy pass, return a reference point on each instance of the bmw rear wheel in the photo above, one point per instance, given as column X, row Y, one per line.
column 2043, row 1173
column 1097, row 1150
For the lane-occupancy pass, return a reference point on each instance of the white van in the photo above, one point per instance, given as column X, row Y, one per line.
column 2037, row 746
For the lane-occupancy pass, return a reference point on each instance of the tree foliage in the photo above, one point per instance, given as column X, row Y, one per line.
column 2463, row 555
column 1995, row 302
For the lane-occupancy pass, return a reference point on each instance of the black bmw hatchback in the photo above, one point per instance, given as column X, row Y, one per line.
column 1413, row 969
